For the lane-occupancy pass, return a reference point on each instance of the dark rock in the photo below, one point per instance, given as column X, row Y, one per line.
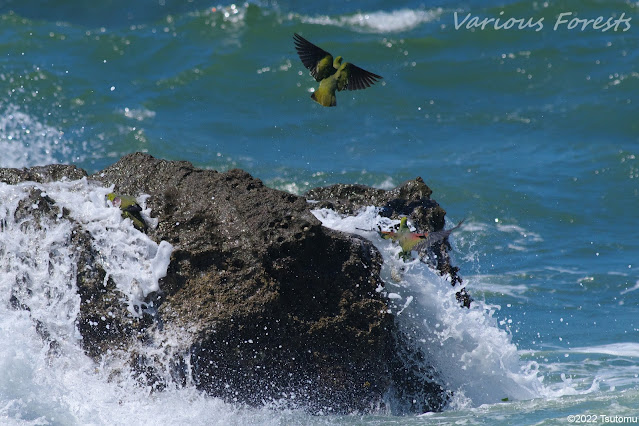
column 278, row 307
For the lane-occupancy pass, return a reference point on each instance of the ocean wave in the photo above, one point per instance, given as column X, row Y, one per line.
column 380, row 22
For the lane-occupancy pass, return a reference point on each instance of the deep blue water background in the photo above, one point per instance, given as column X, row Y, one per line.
column 533, row 136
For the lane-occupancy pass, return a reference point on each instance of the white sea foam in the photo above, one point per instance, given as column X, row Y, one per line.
column 474, row 357
column 376, row 22
column 525, row 239
column 70, row 389
column 35, row 266
column 139, row 114
column 628, row 349
column 518, row 238
column 386, row 184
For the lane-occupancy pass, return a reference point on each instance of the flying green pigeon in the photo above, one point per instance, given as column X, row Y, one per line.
column 331, row 73
column 130, row 209
column 417, row 241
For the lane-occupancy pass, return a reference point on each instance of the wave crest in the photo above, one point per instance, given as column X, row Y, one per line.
column 377, row 22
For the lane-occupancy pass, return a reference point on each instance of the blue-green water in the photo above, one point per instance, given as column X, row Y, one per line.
column 531, row 135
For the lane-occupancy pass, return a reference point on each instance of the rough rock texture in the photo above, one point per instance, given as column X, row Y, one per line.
column 41, row 174
column 411, row 199
column 273, row 307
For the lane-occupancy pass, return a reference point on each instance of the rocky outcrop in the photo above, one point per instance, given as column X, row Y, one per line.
column 273, row 307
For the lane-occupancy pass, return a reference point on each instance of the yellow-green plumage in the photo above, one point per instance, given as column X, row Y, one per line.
column 130, row 209
column 417, row 241
column 331, row 73
column 406, row 239
column 325, row 94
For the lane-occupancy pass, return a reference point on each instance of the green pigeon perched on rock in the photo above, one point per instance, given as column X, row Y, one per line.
column 331, row 73
column 130, row 209
column 418, row 241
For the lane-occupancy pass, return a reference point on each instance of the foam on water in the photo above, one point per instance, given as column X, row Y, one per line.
column 133, row 260
column 69, row 389
column 630, row 289
column 380, row 22
column 627, row 349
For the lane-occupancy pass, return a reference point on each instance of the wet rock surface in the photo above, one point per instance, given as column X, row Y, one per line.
column 273, row 307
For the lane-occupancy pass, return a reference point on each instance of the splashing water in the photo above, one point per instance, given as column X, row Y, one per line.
column 38, row 258
column 24, row 141
column 44, row 373
column 475, row 358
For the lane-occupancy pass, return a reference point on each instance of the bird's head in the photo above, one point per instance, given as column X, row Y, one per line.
column 337, row 62
column 403, row 223
column 115, row 200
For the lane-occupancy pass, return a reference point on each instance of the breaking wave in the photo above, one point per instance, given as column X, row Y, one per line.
column 380, row 22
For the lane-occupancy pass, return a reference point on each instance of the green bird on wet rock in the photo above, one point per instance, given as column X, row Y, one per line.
column 130, row 209
column 332, row 74
column 417, row 241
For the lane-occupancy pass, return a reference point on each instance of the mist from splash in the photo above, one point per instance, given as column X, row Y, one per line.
column 25, row 141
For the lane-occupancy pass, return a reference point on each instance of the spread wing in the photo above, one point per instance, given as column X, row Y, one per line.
column 432, row 237
column 133, row 209
column 316, row 59
column 388, row 235
column 356, row 78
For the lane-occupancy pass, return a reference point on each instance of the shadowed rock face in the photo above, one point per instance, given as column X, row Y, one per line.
column 273, row 307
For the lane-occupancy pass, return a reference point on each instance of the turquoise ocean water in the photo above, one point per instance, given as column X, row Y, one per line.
column 533, row 136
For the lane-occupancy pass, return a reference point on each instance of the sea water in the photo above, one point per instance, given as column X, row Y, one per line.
column 532, row 135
